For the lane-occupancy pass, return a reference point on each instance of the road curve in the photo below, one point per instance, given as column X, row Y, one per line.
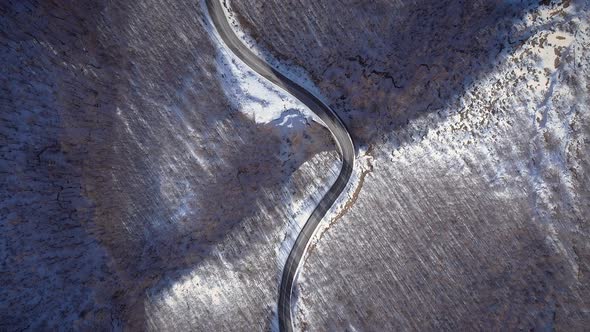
column 334, row 124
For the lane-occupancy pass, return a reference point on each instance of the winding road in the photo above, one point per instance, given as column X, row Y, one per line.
column 338, row 131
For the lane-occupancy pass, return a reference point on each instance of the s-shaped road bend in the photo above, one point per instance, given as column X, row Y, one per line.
column 338, row 131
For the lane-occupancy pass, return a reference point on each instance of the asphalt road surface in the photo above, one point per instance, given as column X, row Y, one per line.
column 334, row 124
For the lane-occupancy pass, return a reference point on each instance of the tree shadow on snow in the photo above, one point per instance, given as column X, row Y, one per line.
column 383, row 63
column 178, row 172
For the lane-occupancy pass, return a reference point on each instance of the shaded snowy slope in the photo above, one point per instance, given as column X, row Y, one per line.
column 475, row 115
column 149, row 181
column 128, row 170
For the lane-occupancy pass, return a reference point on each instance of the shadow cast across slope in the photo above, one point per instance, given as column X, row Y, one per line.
column 134, row 164
column 380, row 64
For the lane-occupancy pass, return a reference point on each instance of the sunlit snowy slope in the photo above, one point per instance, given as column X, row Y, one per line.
column 150, row 181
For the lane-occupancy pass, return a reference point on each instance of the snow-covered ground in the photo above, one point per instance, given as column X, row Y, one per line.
column 475, row 116
column 151, row 181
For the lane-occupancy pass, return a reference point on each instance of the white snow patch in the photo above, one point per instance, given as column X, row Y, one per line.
column 303, row 209
column 252, row 94
column 293, row 72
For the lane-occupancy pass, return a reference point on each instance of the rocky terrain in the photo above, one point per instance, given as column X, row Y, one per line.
column 150, row 181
